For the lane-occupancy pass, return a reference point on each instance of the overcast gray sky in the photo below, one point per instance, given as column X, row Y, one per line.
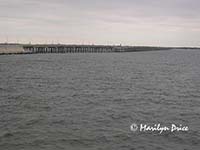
column 127, row 22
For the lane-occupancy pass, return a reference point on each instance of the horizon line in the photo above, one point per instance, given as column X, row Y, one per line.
column 123, row 45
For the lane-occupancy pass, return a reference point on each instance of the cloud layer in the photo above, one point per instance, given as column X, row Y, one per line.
column 129, row 22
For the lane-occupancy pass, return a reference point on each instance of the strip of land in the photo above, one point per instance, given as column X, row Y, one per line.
column 13, row 48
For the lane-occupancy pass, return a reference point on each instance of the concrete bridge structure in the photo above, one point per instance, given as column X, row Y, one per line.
column 63, row 48
column 58, row 48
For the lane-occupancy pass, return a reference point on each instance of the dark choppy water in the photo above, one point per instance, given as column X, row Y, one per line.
column 88, row 101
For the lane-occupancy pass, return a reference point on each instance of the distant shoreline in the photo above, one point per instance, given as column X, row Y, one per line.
column 15, row 48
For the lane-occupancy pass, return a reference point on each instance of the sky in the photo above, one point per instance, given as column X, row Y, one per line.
column 112, row 22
